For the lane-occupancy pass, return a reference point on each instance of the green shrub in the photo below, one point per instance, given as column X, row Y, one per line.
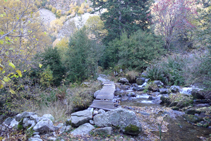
column 82, row 57
column 46, row 77
column 204, row 71
column 133, row 52
column 51, row 57
column 170, row 72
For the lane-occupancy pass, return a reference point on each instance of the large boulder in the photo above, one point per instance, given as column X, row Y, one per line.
column 123, row 80
column 44, row 126
column 119, row 118
column 79, row 118
column 197, row 94
column 83, row 130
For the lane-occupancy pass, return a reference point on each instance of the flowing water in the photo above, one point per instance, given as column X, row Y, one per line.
column 178, row 128
column 174, row 128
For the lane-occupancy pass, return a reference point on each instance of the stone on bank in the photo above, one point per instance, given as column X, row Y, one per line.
column 119, row 118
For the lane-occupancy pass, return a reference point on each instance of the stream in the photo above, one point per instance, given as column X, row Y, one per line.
column 151, row 114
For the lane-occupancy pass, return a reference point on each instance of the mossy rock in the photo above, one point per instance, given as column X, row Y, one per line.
column 192, row 118
column 132, row 130
column 165, row 100
column 203, row 124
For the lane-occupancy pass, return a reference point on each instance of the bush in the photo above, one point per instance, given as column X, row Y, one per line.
column 131, row 76
column 81, row 57
column 133, row 52
column 49, row 58
column 204, row 71
column 170, row 72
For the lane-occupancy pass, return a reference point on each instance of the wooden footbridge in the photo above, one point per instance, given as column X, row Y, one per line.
column 105, row 96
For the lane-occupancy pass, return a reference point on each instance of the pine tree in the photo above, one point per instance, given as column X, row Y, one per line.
column 123, row 15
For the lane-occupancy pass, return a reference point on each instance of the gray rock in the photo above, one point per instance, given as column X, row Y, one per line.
column 36, row 133
column 64, row 129
column 84, row 113
column 96, row 93
column 101, row 111
column 8, row 121
column 83, row 130
column 95, row 112
column 175, row 89
column 77, row 121
column 14, row 124
column 24, row 115
column 44, row 126
column 138, row 88
column 119, row 117
column 158, row 83
column 60, row 125
column 140, row 81
column 103, row 131
column 123, row 80
column 35, row 117
column 144, row 74
column 27, row 122
column 34, row 139
column 124, row 87
column 36, row 136
column 48, row 116
column 124, row 98
column 197, row 94
column 68, row 128
column 79, row 118
column 163, row 91
column 91, row 122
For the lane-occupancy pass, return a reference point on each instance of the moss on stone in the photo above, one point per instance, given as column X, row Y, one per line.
column 132, row 130
column 20, row 125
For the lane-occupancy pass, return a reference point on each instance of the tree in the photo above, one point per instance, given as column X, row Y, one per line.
column 133, row 52
column 123, row 15
column 173, row 18
column 21, row 36
column 21, row 33
column 95, row 27
column 81, row 57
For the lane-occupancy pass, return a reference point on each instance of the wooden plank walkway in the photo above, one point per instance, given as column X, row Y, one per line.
column 105, row 97
column 102, row 104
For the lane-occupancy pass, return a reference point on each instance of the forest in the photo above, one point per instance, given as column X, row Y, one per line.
column 50, row 64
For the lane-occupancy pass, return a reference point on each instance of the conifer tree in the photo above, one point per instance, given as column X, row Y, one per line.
column 123, row 15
